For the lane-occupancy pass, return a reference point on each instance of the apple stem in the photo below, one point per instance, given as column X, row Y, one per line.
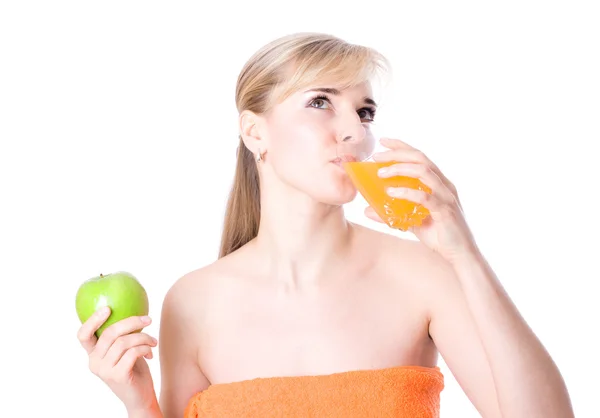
column 101, row 275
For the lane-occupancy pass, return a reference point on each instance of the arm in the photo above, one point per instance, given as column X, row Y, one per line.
column 498, row 351
column 154, row 412
column 453, row 330
column 494, row 355
column 181, row 376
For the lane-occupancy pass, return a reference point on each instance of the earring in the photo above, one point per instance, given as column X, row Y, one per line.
column 259, row 156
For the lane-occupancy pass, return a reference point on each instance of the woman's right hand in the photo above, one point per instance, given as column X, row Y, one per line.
column 117, row 357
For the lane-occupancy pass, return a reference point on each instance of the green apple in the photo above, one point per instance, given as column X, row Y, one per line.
column 120, row 291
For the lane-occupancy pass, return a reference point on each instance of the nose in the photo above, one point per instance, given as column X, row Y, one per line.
column 354, row 132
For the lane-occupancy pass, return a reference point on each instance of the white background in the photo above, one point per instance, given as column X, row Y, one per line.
column 118, row 132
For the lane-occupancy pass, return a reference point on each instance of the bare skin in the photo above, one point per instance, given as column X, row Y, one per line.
column 313, row 294
column 322, row 327
column 374, row 311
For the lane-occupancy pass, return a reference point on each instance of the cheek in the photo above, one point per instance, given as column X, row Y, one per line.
column 296, row 142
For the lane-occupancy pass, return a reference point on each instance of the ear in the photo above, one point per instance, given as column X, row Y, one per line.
column 250, row 130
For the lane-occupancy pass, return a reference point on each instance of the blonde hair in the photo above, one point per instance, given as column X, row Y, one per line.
column 274, row 72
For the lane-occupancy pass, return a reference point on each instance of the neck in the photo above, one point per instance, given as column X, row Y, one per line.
column 302, row 240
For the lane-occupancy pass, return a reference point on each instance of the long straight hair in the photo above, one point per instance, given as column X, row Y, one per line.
column 275, row 71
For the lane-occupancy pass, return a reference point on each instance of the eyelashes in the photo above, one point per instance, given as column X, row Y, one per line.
column 370, row 110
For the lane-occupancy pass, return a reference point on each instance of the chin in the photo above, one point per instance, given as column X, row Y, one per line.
column 331, row 187
column 337, row 189
column 338, row 194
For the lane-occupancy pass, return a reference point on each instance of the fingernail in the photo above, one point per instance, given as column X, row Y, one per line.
column 154, row 340
column 103, row 311
column 146, row 320
column 383, row 171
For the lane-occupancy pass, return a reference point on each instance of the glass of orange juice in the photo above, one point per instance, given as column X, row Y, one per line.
column 356, row 159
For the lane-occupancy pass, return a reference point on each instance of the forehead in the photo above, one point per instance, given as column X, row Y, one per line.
column 361, row 89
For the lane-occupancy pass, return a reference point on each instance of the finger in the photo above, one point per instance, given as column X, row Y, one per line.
column 403, row 155
column 371, row 214
column 437, row 208
column 424, row 174
column 123, row 327
column 415, row 196
column 407, row 153
column 124, row 343
column 86, row 334
column 128, row 360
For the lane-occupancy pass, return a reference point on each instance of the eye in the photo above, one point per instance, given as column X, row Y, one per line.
column 319, row 101
column 367, row 113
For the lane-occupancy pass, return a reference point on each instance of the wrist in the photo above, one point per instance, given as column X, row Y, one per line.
column 467, row 260
column 149, row 411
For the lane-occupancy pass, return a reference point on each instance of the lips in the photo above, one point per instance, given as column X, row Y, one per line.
column 345, row 159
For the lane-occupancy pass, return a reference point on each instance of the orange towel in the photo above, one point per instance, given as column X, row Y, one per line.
column 404, row 391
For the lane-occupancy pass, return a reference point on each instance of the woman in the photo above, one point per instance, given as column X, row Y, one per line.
column 307, row 314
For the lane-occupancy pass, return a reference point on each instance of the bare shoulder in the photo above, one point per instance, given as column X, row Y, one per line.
column 182, row 306
column 194, row 284
column 193, row 292
column 185, row 313
column 406, row 254
column 420, row 269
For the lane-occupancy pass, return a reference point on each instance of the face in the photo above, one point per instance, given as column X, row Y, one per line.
column 301, row 136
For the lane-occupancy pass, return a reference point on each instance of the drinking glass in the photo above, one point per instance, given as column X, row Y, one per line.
column 356, row 155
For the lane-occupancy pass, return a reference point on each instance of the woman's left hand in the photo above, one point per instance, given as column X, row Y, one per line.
column 445, row 230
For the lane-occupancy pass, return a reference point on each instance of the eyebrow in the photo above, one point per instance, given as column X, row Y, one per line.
column 336, row 92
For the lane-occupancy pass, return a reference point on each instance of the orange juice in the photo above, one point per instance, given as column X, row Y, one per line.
column 397, row 213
